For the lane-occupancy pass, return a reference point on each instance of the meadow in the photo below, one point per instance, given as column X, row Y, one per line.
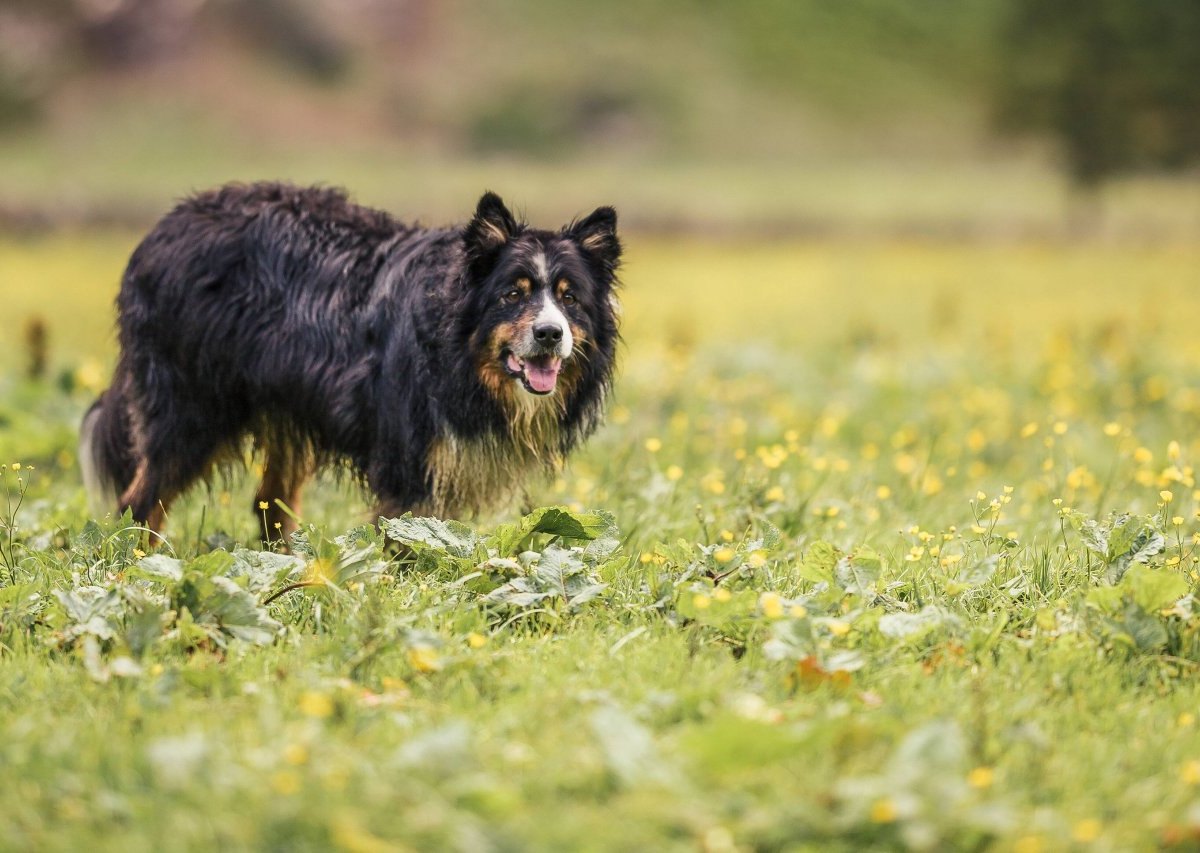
column 886, row 544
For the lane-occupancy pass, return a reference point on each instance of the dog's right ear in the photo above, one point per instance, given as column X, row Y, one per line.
column 491, row 228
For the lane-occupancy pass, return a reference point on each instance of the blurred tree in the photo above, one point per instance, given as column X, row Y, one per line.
column 1116, row 81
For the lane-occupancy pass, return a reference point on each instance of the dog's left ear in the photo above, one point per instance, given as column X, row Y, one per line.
column 596, row 235
column 490, row 229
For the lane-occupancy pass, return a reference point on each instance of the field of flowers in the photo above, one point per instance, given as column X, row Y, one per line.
column 884, row 545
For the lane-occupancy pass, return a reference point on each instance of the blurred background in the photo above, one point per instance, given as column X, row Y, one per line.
column 976, row 118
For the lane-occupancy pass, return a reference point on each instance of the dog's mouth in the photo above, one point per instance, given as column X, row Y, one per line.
column 539, row 373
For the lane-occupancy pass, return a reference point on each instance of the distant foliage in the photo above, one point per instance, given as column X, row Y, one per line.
column 1117, row 82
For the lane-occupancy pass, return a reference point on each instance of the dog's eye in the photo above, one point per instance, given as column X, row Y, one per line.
column 568, row 299
column 512, row 297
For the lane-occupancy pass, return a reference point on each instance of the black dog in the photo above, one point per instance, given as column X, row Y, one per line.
column 440, row 365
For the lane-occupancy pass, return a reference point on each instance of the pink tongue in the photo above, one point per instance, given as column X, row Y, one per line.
column 542, row 378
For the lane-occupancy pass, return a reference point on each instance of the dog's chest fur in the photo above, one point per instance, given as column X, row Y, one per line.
column 467, row 474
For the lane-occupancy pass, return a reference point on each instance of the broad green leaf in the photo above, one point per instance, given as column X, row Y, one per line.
column 450, row 537
column 561, row 571
column 159, row 567
column 1152, row 589
column 556, row 521
column 144, row 627
column 264, row 570
column 238, row 614
column 858, row 574
column 819, row 561
column 92, row 610
column 1140, row 630
column 903, row 626
column 980, row 572
column 1092, row 533
column 1106, row 598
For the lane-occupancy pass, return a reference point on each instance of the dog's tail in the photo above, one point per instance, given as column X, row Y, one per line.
column 106, row 451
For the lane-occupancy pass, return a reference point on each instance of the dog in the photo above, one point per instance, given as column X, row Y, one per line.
column 442, row 366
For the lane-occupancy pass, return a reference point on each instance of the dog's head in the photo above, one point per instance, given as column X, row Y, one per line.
column 544, row 309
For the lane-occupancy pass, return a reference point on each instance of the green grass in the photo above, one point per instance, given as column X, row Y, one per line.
column 890, row 658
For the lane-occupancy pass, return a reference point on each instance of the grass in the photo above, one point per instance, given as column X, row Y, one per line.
column 900, row 458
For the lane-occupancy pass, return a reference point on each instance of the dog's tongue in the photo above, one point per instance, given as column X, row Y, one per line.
column 543, row 375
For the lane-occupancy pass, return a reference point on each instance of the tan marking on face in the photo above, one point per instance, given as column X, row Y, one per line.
column 506, row 390
column 562, row 287
column 492, row 374
column 525, row 286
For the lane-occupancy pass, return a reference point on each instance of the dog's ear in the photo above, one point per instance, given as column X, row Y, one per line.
column 491, row 228
column 596, row 235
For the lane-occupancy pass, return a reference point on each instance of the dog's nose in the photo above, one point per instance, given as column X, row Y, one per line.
column 547, row 333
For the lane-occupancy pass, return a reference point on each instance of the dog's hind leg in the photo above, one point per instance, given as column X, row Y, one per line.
column 147, row 499
column 172, row 453
column 283, row 482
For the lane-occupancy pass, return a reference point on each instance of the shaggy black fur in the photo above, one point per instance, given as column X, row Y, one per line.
column 332, row 333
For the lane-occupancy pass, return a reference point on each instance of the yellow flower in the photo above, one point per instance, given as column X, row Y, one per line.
column 1112, row 429
column 723, row 555
column 1028, row 844
column 319, row 571
column 295, row 754
column 263, row 505
column 981, row 777
column 721, row 594
column 771, row 605
column 423, row 659
column 1030, row 429
column 839, row 628
column 1166, row 496
column 315, row 704
column 674, row 472
column 726, row 535
column 798, row 611
column 757, row 559
column 883, row 493
column 654, row 444
column 1186, row 720
column 476, row 641
column 775, row 493
column 285, row 782
column 1086, row 830
column 701, row 601
column 1189, row 774
column 883, row 811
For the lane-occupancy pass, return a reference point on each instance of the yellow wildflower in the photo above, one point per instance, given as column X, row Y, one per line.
column 314, row 704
